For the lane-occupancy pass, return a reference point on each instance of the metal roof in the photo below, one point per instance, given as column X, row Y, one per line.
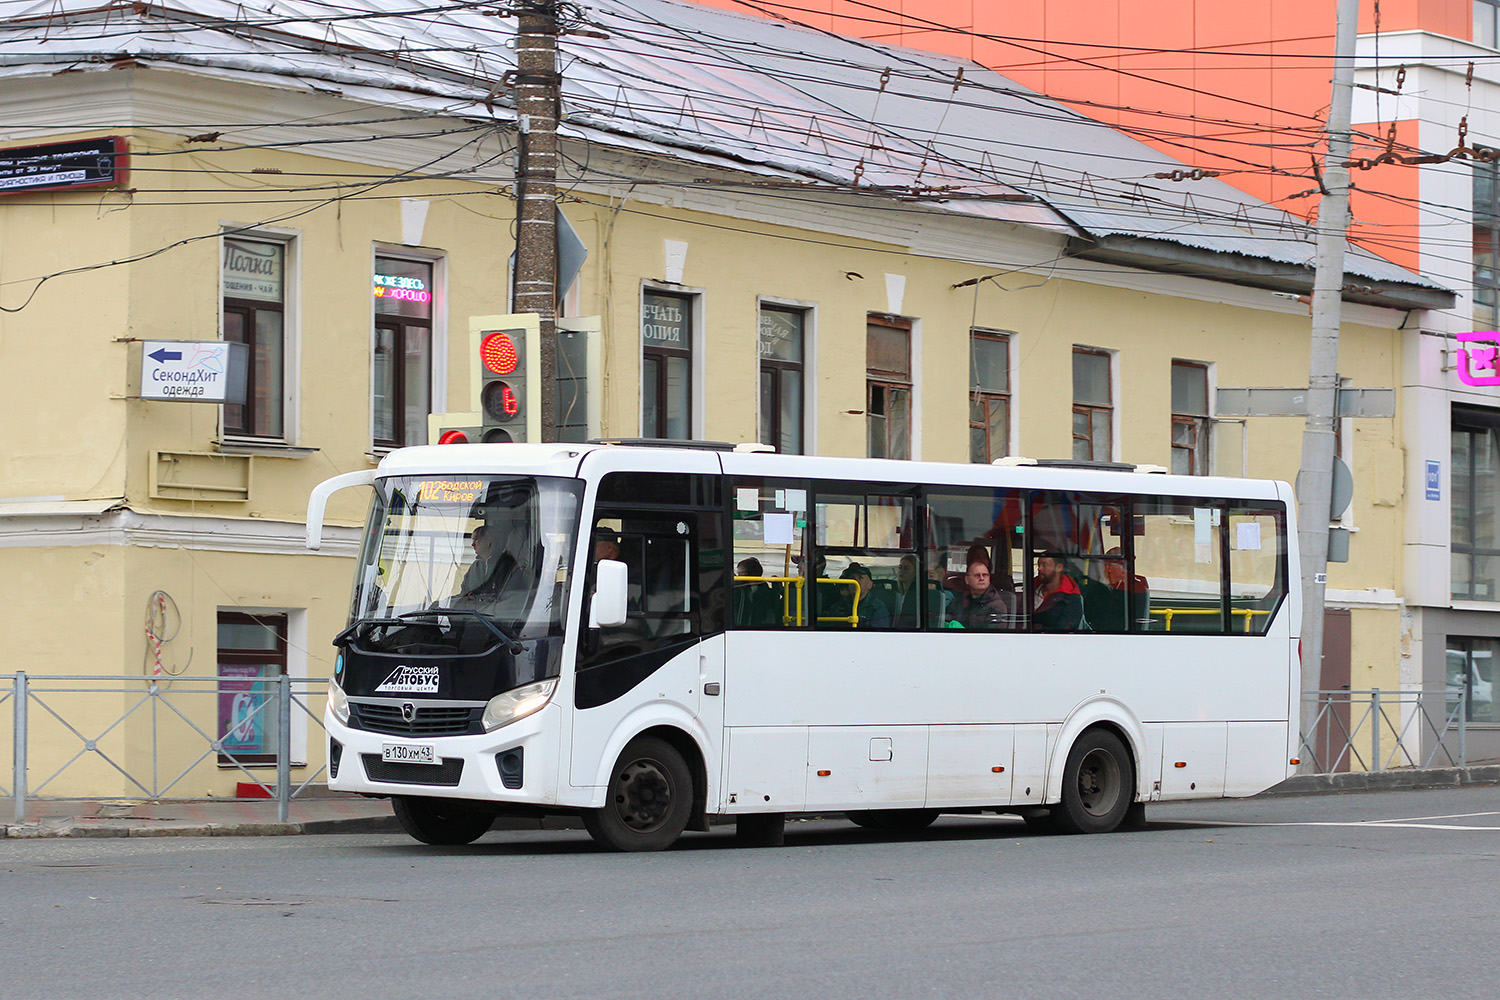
column 740, row 93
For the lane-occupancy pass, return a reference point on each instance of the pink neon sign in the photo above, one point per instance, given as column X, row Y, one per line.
column 1479, row 365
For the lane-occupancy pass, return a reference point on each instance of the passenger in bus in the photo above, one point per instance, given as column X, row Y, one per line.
column 1109, row 606
column 832, row 600
column 872, row 610
column 982, row 605
column 756, row 603
column 1057, row 604
column 908, row 599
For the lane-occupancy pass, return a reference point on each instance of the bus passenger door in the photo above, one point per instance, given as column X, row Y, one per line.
column 650, row 670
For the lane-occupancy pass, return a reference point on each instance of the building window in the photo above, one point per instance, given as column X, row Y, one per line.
column 888, row 381
column 401, row 358
column 1486, row 245
column 254, row 302
column 782, row 343
column 1093, row 406
column 989, row 395
column 252, row 654
column 1476, row 498
column 1486, row 21
column 1190, row 423
column 1471, row 672
column 666, row 365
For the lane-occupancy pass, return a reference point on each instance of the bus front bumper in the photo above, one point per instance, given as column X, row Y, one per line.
column 515, row 764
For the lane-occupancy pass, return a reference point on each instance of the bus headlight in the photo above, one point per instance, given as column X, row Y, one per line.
column 338, row 703
column 517, row 704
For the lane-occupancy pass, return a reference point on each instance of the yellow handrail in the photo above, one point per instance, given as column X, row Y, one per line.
column 1169, row 613
column 791, row 613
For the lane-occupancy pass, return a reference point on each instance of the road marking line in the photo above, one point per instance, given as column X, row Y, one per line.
column 1389, row 824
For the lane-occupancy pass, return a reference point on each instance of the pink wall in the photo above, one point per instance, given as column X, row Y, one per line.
column 1240, row 86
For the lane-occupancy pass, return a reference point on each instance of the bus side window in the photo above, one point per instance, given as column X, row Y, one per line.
column 1179, row 551
column 770, row 580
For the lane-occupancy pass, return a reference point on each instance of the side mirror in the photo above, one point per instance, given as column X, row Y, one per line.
column 611, row 585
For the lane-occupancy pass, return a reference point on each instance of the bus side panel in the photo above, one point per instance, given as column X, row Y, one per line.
column 669, row 696
column 1256, row 757
column 1192, row 764
column 765, row 769
column 864, row 767
column 962, row 764
column 1029, row 783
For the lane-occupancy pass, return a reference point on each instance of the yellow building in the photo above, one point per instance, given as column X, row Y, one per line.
column 839, row 263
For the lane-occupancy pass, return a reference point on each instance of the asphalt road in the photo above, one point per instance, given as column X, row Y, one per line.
column 1389, row 894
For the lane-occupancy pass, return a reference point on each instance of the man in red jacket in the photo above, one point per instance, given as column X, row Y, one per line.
column 1057, row 604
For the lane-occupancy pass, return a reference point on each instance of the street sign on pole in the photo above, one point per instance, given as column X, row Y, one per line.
column 1256, row 402
column 193, row 371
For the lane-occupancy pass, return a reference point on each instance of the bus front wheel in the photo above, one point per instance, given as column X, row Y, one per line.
column 441, row 822
column 649, row 801
column 1098, row 784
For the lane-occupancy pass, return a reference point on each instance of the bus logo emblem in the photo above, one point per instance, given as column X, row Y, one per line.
column 410, row 680
column 408, row 711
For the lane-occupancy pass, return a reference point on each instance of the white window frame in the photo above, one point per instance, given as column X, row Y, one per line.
column 1114, row 396
column 809, row 312
column 291, row 327
column 698, row 418
column 439, row 321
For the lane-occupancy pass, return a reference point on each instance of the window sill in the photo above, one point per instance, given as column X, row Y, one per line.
column 263, row 449
column 1471, row 605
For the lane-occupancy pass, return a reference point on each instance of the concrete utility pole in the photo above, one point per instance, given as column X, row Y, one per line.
column 1313, row 501
column 538, row 96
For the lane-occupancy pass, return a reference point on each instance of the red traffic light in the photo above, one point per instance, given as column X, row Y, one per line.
column 453, row 437
column 498, row 353
column 500, row 402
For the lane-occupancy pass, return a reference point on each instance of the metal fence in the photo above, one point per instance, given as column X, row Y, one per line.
column 1378, row 730
column 150, row 737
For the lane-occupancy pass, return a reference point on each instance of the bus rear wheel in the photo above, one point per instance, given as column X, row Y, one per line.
column 895, row 820
column 1098, row 784
column 649, row 800
column 441, row 822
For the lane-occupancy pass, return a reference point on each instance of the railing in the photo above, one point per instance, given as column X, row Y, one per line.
column 791, row 598
column 127, row 728
column 1395, row 729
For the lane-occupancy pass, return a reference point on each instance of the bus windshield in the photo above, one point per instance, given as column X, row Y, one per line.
column 495, row 546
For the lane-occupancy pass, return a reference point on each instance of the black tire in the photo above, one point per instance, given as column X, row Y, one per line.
column 649, row 800
column 441, row 822
column 1098, row 784
column 1040, row 821
column 760, row 830
column 894, row 820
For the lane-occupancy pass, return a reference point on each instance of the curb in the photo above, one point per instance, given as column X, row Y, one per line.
column 1402, row 779
column 83, row 829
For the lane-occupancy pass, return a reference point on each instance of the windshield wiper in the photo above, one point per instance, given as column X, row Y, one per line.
column 499, row 631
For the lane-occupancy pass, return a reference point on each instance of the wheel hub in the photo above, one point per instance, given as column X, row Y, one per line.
column 643, row 795
column 1098, row 782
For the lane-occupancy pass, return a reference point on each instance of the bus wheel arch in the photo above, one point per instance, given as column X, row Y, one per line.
column 1101, row 711
column 1098, row 782
column 649, row 797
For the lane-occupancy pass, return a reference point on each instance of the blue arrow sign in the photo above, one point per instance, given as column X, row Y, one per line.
column 163, row 354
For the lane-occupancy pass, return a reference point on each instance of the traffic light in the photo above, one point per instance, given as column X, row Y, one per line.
column 507, row 349
column 453, row 428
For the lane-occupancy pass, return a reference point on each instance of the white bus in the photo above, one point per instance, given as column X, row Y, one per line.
column 652, row 638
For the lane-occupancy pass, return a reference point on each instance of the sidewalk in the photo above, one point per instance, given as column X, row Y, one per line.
column 328, row 812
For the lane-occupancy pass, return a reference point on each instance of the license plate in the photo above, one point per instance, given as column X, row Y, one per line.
column 409, row 753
